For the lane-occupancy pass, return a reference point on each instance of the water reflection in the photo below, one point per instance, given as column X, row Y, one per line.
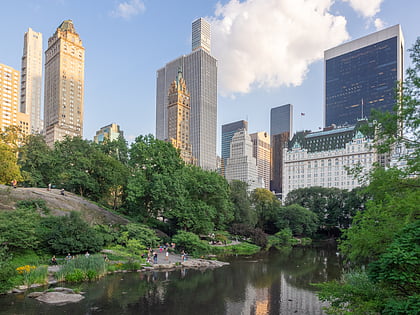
column 269, row 283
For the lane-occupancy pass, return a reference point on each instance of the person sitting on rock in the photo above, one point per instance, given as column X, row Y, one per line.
column 53, row 260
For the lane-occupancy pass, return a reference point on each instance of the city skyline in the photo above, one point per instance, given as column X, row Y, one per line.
column 132, row 39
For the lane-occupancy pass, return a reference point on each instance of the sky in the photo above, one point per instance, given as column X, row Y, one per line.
column 269, row 52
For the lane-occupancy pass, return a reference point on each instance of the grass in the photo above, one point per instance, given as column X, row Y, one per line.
column 83, row 268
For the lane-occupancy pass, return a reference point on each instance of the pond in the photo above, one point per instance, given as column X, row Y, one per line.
column 267, row 283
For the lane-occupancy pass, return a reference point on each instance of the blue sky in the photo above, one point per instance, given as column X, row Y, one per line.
column 269, row 51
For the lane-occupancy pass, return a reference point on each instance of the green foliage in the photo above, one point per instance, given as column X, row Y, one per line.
column 69, row 234
column 334, row 207
column 9, row 170
column 354, row 294
column 6, row 270
column 139, row 232
column 394, row 204
column 266, row 205
column 18, row 228
column 242, row 207
column 38, row 275
column 131, row 264
column 82, row 268
column 243, row 248
column 33, row 205
column 37, row 161
column 281, row 239
column 397, row 269
column 299, row 220
column 190, row 243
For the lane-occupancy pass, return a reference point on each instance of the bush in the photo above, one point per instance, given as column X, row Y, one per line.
column 190, row 243
column 69, row 234
column 131, row 264
column 243, row 248
column 259, row 238
column 77, row 275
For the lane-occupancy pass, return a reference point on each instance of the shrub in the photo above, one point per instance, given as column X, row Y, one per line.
column 190, row 243
column 131, row 264
column 76, row 275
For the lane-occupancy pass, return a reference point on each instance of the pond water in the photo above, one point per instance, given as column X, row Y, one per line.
column 267, row 283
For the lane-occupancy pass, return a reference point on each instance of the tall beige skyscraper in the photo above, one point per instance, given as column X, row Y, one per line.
column 64, row 78
column 179, row 117
column 31, row 79
column 261, row 150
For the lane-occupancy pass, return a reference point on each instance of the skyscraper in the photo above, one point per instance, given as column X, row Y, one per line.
column 228, row 130
column 179, row 118
column 361, row 75
column 281, row 119
column 199, row 70
column 281, row 122
column 110, row 132
column 9, row 96
column 31, row 79
column 64, row 79
column 241, row 165
column 261, row 150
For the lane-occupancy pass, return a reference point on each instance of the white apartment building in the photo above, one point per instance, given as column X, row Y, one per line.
column 241, row 165
column 320, row 158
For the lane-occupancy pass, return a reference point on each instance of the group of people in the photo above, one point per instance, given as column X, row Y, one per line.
column 70, row 257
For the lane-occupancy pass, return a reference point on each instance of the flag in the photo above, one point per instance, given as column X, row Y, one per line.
column 302, row 114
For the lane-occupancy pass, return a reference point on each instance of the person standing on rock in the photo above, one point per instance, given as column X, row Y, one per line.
column 155, row 257
column 49, row 187
column 167, row 254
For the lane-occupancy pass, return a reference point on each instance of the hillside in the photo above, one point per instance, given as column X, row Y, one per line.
column 59, row 205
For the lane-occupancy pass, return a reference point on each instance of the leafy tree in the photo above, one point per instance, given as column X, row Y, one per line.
column 13, row 137
column 9, row 170
column 203, row 205
column 298, row 219
column 266, row 205
column 118, row 149
column 37, row 161
column 153, row 165
column 334, row 207
column 69, row 234
column 242, row 207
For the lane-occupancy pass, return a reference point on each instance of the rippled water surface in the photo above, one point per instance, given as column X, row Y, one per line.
column 269, row 283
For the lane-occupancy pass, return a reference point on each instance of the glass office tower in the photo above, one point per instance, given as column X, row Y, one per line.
column 361, row 75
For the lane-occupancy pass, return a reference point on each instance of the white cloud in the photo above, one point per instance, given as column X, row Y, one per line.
column 367, row 8
column 379, row 24
column 128, row 9
column 270, row 43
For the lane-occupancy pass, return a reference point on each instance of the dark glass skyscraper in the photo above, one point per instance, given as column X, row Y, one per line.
column 361, row 75
column 281, row 122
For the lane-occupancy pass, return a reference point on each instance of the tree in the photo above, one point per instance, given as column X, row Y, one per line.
column 299, row 220
column 37, row 161
column 242, row 207
column 9, row 169
column 152, row 187
column 266, row 205
column 334, row 207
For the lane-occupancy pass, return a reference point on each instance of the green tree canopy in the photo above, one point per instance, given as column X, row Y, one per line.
column 242, row 206
column 301, row 221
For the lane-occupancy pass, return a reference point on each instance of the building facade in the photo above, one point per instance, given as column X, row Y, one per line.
column 242, row 165
column 110, row 132
column 9, row 96
column 228, row 130
column 179, row 118
column 199, row 69
column 281, row 128
column 361, row 75
column 261, row 150
column 64, row 84
column 320, row 158
column 31, row 79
